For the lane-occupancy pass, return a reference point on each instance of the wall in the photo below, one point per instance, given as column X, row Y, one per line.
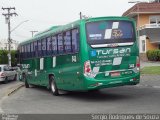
column 151, row 46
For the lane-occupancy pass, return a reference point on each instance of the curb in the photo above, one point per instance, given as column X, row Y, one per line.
column 14, row 89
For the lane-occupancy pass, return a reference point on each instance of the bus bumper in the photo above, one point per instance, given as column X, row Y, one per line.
column 92, row 83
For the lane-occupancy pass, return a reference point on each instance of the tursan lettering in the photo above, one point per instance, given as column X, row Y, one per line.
column 113, row 51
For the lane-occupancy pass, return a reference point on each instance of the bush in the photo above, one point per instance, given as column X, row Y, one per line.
column 4, row 57
column 153, row 55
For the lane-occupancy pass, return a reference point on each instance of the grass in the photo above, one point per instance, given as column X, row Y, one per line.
column 152, row 70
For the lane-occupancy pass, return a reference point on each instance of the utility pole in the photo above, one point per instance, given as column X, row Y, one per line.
column 33, row 32
column 8, row 15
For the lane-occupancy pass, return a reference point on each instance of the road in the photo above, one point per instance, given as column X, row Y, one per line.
column 142, row 98
column 5, row 90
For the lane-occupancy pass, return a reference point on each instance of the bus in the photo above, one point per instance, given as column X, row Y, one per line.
column 85, row 55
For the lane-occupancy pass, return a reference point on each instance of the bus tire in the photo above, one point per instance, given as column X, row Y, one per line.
column 25, row 81
column 53, row 86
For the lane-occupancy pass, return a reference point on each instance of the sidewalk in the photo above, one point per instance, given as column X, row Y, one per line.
column 150, row 80
column 149, row 63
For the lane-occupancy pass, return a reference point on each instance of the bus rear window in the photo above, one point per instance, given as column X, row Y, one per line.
column 110, row 32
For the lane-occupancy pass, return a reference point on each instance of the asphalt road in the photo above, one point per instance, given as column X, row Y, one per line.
column 142, row 98
column 4, row 88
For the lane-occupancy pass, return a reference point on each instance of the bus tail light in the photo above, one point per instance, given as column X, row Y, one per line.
column 138, row 63
column 87, row 68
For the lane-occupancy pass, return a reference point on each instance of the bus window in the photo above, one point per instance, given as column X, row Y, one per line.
column 60, row 44
column 67, row 42
column 54, row 45
column 35, row 49
column 32, row 50
column 28, row 50
column 75, row 40
column 22, row 51
column 25, row 51
column 110, row 32
column 39, row 49
column 44, row 47
column 49, row 46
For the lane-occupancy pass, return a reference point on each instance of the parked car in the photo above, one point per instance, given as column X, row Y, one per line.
column 7, row 73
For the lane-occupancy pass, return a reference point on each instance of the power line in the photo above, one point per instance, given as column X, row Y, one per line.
column 7, row 16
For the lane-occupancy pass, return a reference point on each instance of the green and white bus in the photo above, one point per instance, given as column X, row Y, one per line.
column 88, row 54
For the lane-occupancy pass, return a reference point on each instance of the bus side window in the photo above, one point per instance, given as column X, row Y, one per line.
column 35, row 49
column 32, row 50
column 75, row 40
column 49, row 46
column 39, row 48
column 22, row 52
column 60, row 44
column 44, row 47
column 28, row 51
column 54, row 45
column 25, row 51
column 67, row 42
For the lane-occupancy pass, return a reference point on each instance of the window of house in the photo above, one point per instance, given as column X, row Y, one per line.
column 54, row 45
column 155, row 19
column 142, row 46
column 67, row 42
column 49, row 46
column 60, row 43
column 75, row 40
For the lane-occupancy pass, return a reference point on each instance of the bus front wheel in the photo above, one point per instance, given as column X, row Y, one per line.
column 53, row 86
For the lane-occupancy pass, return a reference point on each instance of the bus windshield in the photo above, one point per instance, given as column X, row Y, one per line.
column 110, row 32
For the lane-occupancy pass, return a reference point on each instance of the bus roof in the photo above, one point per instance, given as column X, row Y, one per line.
column 60, row 28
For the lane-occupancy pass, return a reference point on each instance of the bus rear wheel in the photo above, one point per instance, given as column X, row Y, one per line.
column 53, row 86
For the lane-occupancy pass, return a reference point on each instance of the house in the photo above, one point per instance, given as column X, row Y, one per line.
column 147, row 16
column 4, row 44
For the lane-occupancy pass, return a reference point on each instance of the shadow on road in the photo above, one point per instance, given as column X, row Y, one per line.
column 101, row 95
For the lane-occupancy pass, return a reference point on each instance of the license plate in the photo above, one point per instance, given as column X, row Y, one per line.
column 113, row 74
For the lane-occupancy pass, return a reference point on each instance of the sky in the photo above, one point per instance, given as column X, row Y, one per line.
column 42, row 14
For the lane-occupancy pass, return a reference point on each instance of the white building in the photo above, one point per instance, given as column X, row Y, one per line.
column 4, row 44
